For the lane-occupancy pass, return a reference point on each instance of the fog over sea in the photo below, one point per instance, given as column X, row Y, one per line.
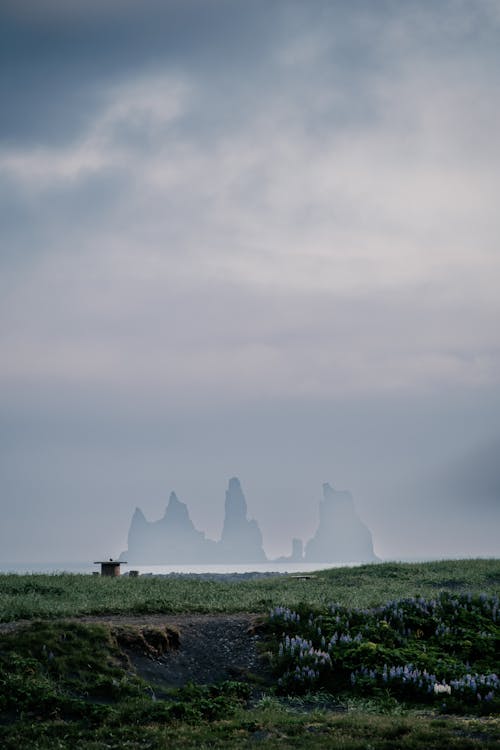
column 262, row 568
column 261, row 240
column 88, row 567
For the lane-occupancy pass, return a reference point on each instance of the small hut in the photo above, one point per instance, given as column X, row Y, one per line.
column 110, row 567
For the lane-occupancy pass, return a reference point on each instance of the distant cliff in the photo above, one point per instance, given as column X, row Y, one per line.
column 341, row 536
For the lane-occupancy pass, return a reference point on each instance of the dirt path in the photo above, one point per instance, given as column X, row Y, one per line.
column 211, row 648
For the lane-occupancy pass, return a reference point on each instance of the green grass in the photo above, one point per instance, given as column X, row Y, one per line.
column 69, row 685
column 64, row 595
column 65, row 679
column 62, row 669
column 443, row 652
column 267, row 727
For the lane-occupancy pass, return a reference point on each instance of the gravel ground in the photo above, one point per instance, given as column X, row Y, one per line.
column 212, row 648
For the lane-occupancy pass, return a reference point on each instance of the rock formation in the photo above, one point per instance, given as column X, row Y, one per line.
column 241, row 539
column 341, row 535
column 172, row 539
column 297, row 553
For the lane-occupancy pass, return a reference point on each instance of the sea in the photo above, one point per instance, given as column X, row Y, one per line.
column 89, row 568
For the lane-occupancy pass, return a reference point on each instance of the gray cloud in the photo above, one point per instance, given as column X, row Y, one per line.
column 473, row 479
column 255, row 239
column 58, row 59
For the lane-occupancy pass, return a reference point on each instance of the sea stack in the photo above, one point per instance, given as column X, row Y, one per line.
column 241, row 539
column 172, row 539
column 341, row 535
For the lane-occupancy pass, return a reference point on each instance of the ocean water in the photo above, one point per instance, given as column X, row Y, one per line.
column 86, row 567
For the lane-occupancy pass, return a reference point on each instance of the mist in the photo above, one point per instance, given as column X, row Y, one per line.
column 255, row 240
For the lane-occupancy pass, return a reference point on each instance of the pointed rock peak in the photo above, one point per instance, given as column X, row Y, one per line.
column 235, row 499
column 177, row 512
column 173, row 500
column 138, row 516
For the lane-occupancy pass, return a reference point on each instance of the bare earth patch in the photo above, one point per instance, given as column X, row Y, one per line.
column 209, row 648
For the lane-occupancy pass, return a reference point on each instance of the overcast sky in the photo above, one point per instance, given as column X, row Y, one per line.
column 255, row 239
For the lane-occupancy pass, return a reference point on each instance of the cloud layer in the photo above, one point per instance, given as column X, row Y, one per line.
column 207, row 207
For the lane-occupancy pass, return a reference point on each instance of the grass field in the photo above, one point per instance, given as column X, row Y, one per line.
column 64, row 595
column 70, row 685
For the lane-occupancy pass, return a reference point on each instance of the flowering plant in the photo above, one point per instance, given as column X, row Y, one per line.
column 444, row 650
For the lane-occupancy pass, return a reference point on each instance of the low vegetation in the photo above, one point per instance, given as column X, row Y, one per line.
column 65, row 595
column 381, row 656
column 443, row 652
column 65, row 680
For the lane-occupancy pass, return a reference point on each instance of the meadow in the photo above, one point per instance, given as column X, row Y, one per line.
column 378, row 656
column 68, row 595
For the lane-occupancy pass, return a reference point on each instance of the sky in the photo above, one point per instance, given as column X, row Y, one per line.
column 253, row 239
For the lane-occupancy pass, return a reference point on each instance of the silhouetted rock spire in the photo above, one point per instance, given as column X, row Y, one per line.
column 177, row 515
column 172, row 539
column 341, row 535
column 241, row 539
column 138, row 529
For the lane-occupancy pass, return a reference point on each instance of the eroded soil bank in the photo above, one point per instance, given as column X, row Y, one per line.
column 211, row 648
